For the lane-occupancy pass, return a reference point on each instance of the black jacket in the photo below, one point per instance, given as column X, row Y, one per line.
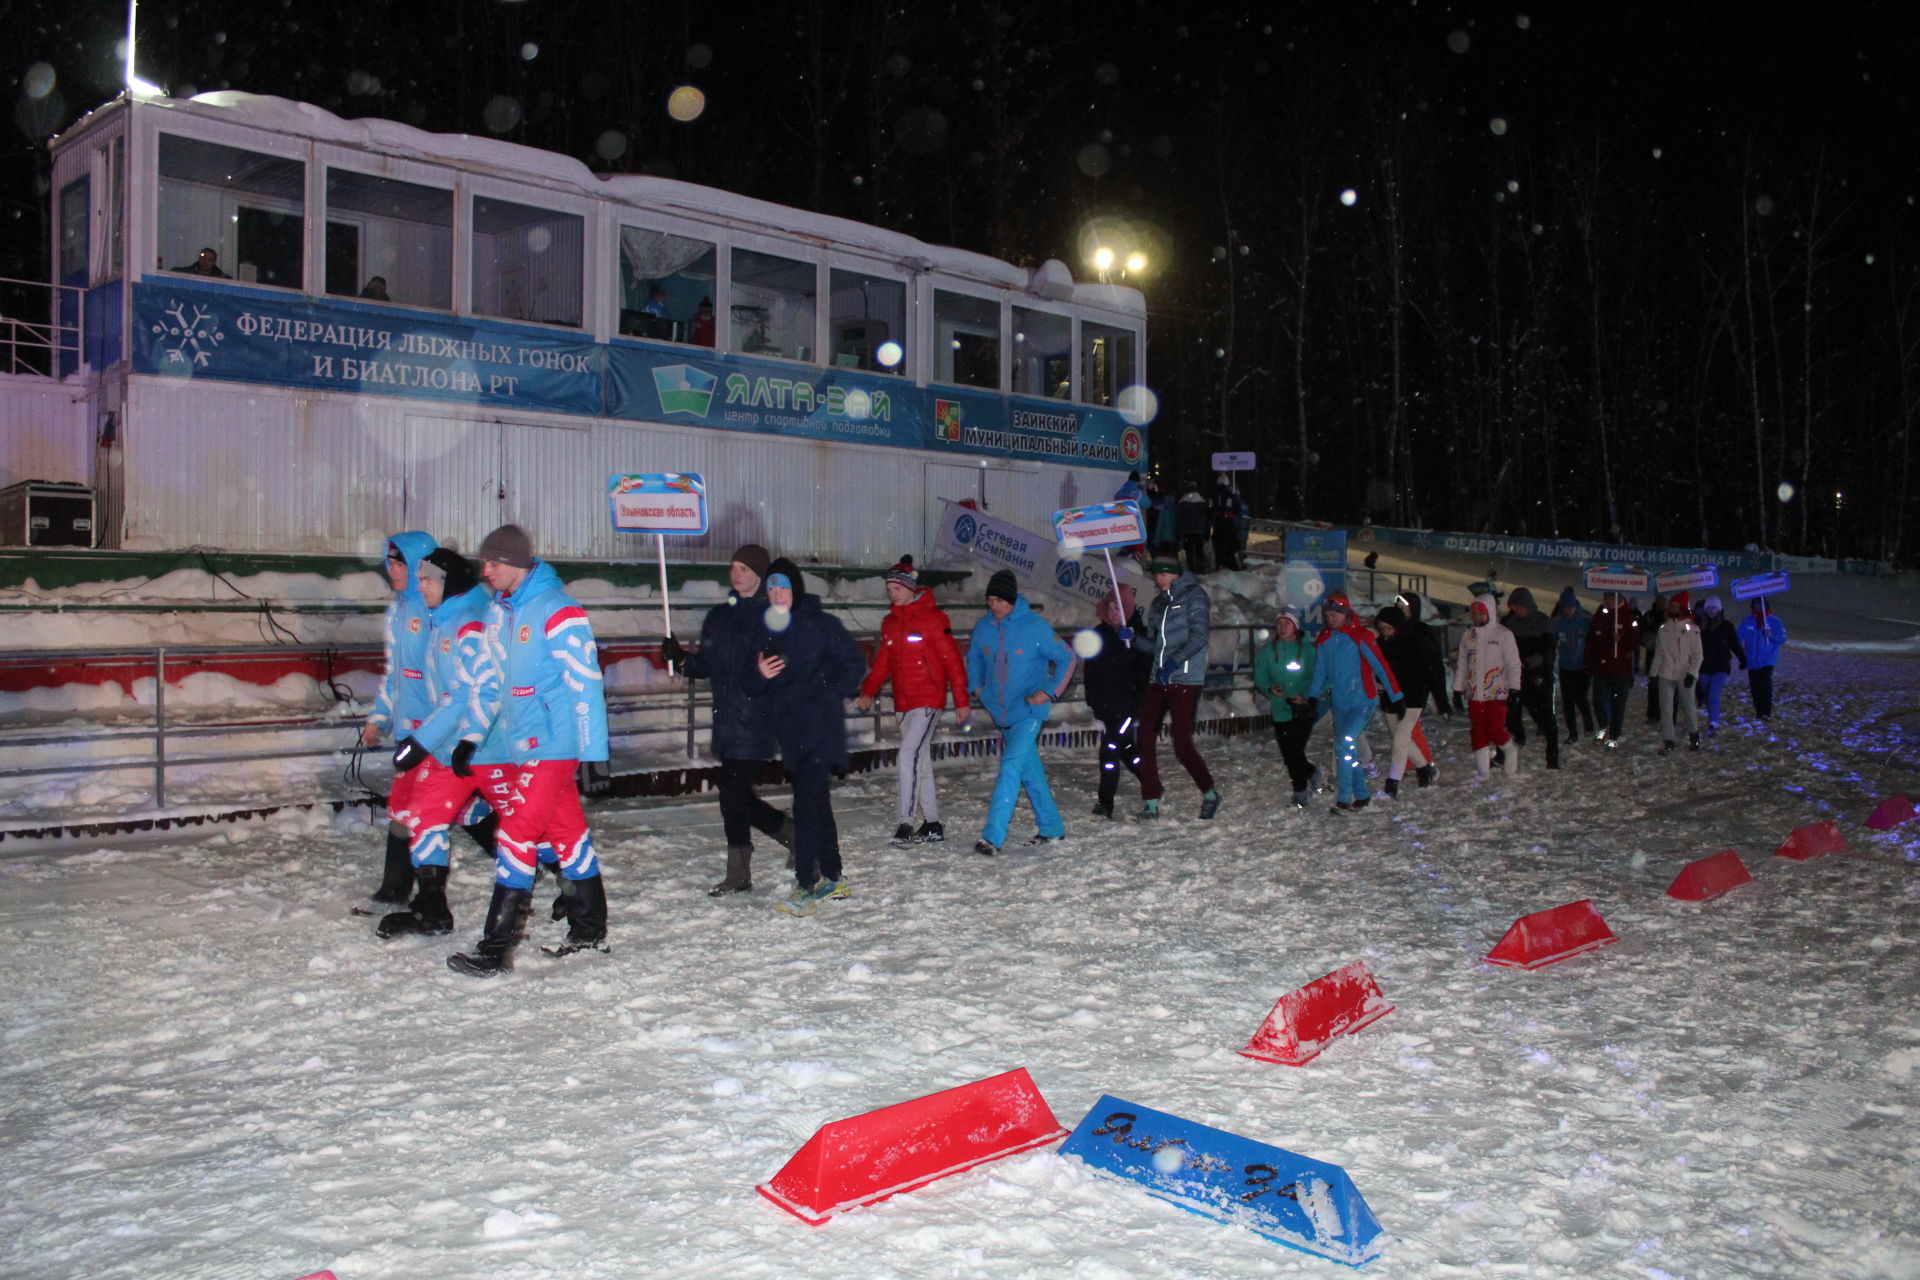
column 1414, row 655
column 1116, row 677
column 806, row 701
column 1719, row 646
column 729, row 644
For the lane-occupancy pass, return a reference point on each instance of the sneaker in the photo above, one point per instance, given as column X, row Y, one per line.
column 1363, row 802
column 1209, row 804
column 1392, row 788
column 1148, row 813
column 1037, row 838
column 1693, row 742
column 984, row 849
column 1601, row 736
column 1373, row 768
column 902, row 835
column 1300, row 799
column 1666, row 748
column 1612, row 742
column 1104, row 809
column 804, row 902
column 1316, row 780
column 929, row 833
column 1341, row 808
column 574, row 946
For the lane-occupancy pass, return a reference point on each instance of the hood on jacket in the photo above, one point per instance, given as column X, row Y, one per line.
column 413, row 547
column 1411, row 603
column 1393, row 616
column 783, row 567
column 1567, row 605
column 1485, row 601
column 1522, row 597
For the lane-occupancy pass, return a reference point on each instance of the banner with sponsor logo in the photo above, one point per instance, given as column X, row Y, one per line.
column 189, row 327
column 1560, row 549
column 1035, row 559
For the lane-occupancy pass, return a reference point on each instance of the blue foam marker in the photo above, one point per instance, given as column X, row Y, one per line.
column 1292, row 1200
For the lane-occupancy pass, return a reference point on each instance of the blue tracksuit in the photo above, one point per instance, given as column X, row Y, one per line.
column 1007, row 661
column 1339, row 680
column 404, row 700
column 551, row 701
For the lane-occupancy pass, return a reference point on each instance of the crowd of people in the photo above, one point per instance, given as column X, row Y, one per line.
column 493, row 697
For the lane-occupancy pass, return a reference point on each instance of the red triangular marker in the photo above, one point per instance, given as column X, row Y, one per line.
column 1541, row 939
column 1709, row 877
column 1306, row 1019
column 1811, row 841
column 1890, row 813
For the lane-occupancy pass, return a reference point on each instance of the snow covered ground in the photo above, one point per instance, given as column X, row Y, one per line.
column 213, row 1070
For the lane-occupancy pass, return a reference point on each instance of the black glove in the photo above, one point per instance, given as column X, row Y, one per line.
column 1687, row 683
column 463, row 759
column 672, row 650
column 410, row 755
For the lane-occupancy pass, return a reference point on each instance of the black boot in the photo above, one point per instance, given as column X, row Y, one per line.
column 562, row 895
column 482, row 832
column 586, row 918
column 506, row 920
column 739, row 872
column 430, row 914
column 396, row 882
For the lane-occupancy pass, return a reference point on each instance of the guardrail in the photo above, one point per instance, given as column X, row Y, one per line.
column 30, row 344
column 679, row 714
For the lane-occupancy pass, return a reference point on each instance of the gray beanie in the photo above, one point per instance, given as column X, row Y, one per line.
column 509, row 545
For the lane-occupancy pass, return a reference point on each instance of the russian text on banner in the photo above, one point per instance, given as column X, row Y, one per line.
column 1308, row 1018
column 1303, row 1203
column 866, row 1158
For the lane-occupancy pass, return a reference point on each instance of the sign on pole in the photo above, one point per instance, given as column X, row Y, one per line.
column 1102, row 527
column 1616, row 577
column 659, row 503
column 1031, row 557
column 1760, row 584
column 1702, row 577
column 1233, row 462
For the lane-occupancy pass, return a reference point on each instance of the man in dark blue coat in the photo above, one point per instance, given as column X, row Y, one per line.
column 742, row 725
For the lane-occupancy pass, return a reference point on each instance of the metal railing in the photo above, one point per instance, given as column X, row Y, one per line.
column 679, row 714
column 33, row 337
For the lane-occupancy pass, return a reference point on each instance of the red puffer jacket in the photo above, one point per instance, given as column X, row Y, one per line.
column 918, row 654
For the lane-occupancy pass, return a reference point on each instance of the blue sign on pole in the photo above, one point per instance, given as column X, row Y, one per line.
column 1760, row 584
column 1290, row 1199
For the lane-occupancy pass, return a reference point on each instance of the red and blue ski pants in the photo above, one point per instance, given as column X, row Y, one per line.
column 538, row 803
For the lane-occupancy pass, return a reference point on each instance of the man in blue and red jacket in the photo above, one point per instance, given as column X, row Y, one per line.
column 550, row 712
column 403, row 701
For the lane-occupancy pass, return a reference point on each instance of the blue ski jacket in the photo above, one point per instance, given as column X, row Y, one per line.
column 464, row 680
column 551, row 701
column 1011, row 660
column 404, row 700
column 1339, row 673
column 1763, row 644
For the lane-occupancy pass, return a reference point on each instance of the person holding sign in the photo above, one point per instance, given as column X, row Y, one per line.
column 1762, row 636
column 807, row 666
column 742, row 721
column 916, row 652
column 1116, row 680
column 1179, row 623
column 550, row 708
column 1016, row 669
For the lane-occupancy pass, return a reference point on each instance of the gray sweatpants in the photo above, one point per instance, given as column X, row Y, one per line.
column 916, row 765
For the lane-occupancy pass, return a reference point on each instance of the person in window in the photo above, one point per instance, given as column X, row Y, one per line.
column 207, row 264
column 700, row 330
column 656, row 304
column 376, row 289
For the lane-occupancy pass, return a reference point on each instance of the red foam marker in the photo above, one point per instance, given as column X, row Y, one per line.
column 1811, row 841
column 319, row 1275
column 1890, row 813
column 1709, row 877
column 1308, row 1018
column 1547, row 937
column 866, row 1158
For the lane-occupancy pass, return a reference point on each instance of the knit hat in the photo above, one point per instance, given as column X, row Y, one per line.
column 1711, row 605
column 755, row 557
column 1684, row 599
column 787, row 569
column 1163, row 564
column 903, row 574
column 1522, row 597
column 1392, row 616
column 1567, row 599
column 1290, row 613
column 508, row 545
column 1337, row 600
column 450, row 568
column 1003, row 585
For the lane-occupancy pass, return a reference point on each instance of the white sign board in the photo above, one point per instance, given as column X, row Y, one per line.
column 1233, row 462
column 1616, row 577
column 662, row 502
column 1702, row 577
column 1104, row 524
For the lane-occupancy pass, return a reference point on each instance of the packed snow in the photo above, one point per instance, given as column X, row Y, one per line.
column 214, row 1069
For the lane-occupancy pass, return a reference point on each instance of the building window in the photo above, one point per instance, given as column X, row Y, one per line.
column 74, row 201
column 1042, row 354
column 869, row 316
column 772, row 307
column 389, row 241
column 966, row 340
column 527, row 262
column 1106, row 362
column 666, row 286
column 233, row 214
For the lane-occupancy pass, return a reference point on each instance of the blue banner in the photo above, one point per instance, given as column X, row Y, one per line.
column 187, row 329
column 1290, row 1199
column 1555, row 550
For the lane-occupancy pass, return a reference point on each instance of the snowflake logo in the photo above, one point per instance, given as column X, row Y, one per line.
column 187, row 340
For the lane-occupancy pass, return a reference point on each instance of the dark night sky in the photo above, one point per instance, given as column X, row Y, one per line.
column 970, row 123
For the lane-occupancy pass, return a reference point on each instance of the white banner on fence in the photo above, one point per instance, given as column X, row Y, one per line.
column 1034, row 558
